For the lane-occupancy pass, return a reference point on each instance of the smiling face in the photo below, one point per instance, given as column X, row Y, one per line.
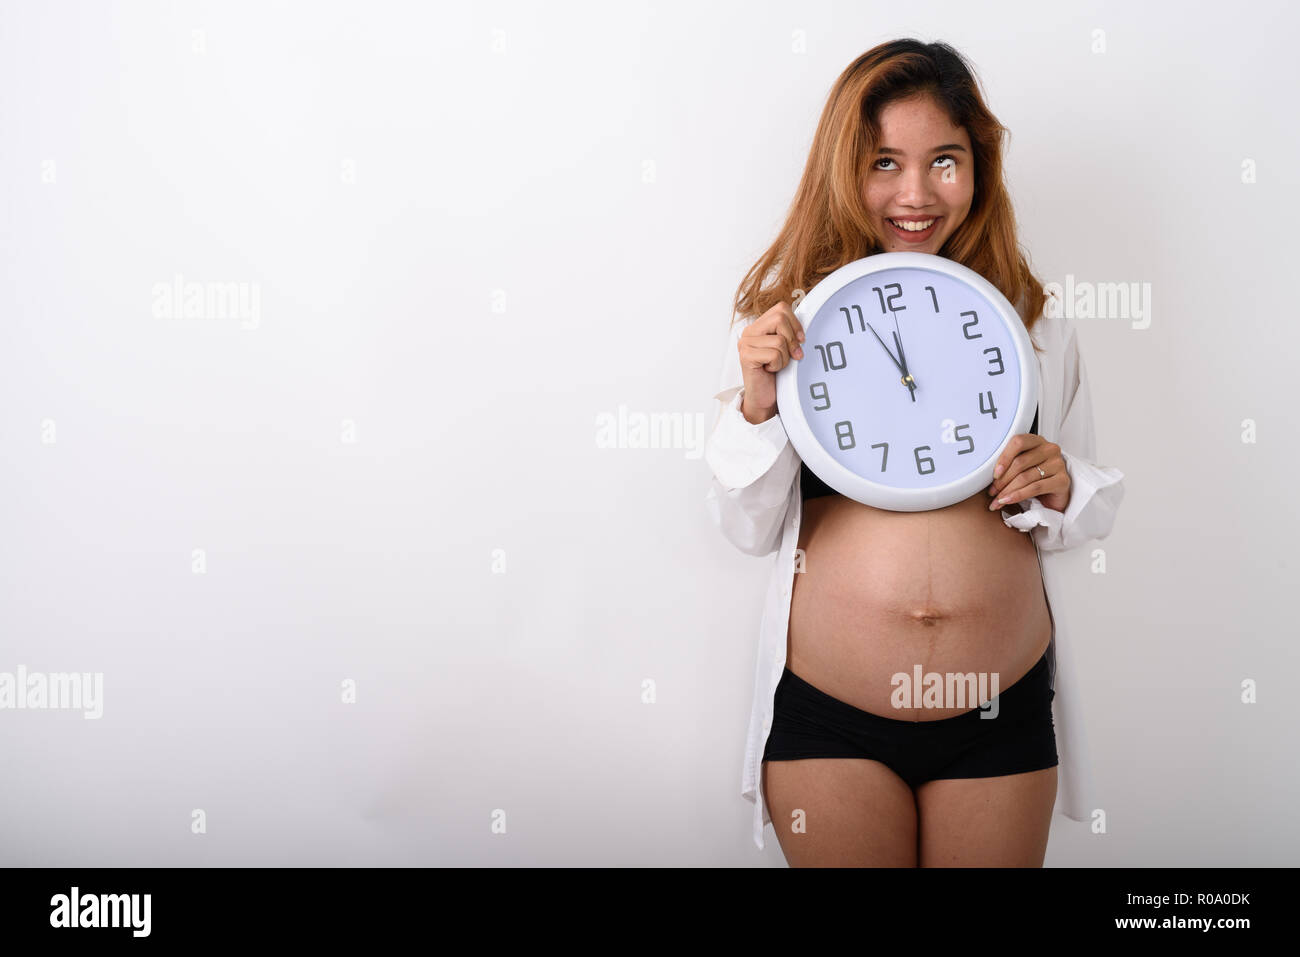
column 922, row 173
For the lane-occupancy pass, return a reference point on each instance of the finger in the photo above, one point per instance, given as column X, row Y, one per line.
column 780, row 320
column 779, row 359
column 777, row 341
column 787, row 328
column 769, row 360
column 1017, row 482
column 1025, row 489
column 1024, row 468
column 1028, row 482
column 1022, row 450
column 1022, row 464
column 769, row 341
column 1004, row 460
column 795, row 325
column 771, row 352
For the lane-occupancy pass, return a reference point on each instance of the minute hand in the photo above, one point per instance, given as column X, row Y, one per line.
column 885, row 347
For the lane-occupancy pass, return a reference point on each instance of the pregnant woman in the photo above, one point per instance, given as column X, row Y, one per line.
column 907, row 157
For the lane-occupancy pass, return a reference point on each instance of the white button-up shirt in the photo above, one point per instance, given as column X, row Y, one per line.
column 756, row 501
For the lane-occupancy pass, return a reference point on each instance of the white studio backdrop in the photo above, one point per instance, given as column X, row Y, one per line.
column 325, row 330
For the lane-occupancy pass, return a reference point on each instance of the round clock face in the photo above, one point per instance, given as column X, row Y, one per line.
column 916, row 372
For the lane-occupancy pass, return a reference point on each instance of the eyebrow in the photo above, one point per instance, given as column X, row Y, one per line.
column 938, row 149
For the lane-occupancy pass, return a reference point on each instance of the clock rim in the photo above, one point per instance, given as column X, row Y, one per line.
column 862, row 489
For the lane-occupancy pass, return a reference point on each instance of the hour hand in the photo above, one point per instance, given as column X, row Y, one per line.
column 907, row 376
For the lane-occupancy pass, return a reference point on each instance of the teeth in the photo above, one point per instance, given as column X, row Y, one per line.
column 914, row 227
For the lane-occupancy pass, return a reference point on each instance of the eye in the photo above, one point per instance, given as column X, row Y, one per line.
column 948, row 158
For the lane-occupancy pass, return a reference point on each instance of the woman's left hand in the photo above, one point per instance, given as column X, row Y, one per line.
column 1017, row 475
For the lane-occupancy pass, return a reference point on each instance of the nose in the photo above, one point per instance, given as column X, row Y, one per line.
column 916, row 189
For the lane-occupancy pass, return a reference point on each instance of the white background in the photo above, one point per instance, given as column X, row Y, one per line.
column 549, row 210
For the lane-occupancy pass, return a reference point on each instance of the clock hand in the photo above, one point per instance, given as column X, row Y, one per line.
column 898, row 337
column 907, row 376
column 883, row 346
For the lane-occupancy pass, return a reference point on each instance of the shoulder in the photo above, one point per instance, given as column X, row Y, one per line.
column 1053, row 331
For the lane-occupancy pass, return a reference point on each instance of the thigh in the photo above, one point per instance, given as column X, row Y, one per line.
column 855, row 813
column 986, row 822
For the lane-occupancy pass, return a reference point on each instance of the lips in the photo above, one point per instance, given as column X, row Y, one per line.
column 913, row 236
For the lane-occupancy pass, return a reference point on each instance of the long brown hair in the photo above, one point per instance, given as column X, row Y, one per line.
column 828, row 224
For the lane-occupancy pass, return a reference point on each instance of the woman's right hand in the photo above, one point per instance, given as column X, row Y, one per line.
column 765, row 346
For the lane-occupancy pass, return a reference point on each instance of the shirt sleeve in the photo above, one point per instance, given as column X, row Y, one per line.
column 1095, row 490
column 753, row 466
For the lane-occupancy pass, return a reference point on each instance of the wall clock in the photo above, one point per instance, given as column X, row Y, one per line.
column 916, row 373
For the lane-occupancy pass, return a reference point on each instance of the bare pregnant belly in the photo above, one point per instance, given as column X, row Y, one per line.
column 953, row 590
